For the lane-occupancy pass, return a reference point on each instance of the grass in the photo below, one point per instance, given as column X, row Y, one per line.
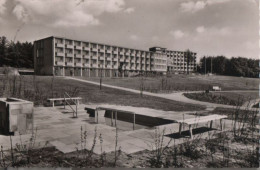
column 43, row 86
column 181, row 82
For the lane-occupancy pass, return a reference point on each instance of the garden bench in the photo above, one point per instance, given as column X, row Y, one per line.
column 201, row 119
column 216, row 88
column 52, row 100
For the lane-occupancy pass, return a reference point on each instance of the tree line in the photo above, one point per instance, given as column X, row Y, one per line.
column 236, row 66
column 16, row 54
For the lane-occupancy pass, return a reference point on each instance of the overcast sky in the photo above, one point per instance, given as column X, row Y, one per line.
column 208, row 27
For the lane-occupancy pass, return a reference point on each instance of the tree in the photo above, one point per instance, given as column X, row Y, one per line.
column 19, row 54
column 189, row 58
column 120, row 67
column 4, row 44
column 236, row 66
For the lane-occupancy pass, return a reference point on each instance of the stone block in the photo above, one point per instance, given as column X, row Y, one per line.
column 16, row 116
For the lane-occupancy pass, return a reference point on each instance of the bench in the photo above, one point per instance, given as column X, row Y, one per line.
column 201, row 119
column 52, row 100
column 216, row 88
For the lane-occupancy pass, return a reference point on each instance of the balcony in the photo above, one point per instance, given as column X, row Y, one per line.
column 69, row 64
column 127, row 60
column 108, row 66
column 59, row 63
column 86, row 48
column 94, row 65
column 86, row 56
column 127, row 53
column 77, row 55
column 94, row 57
column 59, row 45
column 108, row 51
column 132, row 54
column 101, row 58
column 60, row 54
column 93, row 49
column 86, row 65
column 77, row 47
column 121, row 60
column 78, row 64
column 69, row 55
column 121, row 53
column 101, row 50
column 68, row 46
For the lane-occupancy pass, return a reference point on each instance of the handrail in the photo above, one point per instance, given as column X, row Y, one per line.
column 65, row 101
column 70, row 97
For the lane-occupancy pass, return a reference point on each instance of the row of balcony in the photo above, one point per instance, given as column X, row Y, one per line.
column 100, row 58
column 100, row 50
column 60, row 63
column 61, row 54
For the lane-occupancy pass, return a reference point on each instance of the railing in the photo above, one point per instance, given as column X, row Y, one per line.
column 75, row 102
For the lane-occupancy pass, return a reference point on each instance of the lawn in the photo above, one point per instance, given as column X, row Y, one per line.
column 39, row 88
column 181, row 82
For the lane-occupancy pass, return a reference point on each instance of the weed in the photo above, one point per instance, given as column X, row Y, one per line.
column 102, row 154
column 117, row 152
column 155, row 159
column 26, row 149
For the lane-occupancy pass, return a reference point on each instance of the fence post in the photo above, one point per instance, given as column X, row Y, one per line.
column 76, row 109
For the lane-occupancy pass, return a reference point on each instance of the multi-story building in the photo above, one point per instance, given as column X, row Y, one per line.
column 65, row 57
column 178, row 61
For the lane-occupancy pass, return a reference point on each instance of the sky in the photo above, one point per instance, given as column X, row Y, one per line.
column 208, row 27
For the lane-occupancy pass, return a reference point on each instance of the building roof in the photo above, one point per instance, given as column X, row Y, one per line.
column 114, row 45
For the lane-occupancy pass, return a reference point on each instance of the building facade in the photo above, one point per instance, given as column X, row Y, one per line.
column 178, row 61
column 65, row 57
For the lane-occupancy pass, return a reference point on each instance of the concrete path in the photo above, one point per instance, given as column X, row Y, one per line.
column 178, row 96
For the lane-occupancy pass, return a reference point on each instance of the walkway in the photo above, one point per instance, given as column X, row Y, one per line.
column 178, row 96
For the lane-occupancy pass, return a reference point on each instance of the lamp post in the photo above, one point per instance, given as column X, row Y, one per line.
column 100, row 82
column 205, row 64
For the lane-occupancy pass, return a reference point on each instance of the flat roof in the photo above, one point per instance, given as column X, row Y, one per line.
column 96, row 43
column 108, row 44
column 170, row 115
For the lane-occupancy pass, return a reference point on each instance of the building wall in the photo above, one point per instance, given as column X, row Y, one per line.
column 43, row 57
column 176, row 60
column 77, row 58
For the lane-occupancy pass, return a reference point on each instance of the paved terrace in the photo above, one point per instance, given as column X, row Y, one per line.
column 56, row 126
